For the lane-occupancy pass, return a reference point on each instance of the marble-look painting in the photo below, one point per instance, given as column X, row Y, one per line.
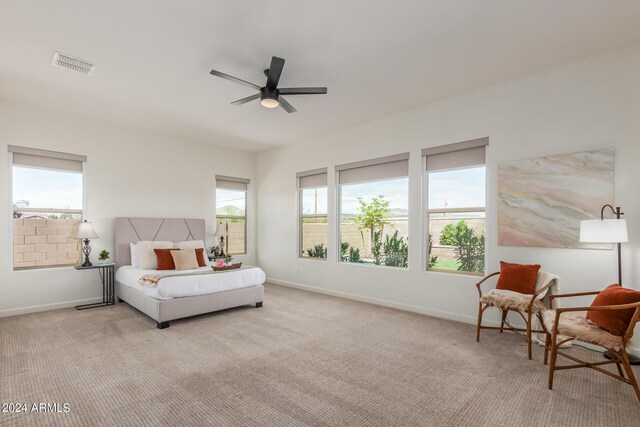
column 542, row 200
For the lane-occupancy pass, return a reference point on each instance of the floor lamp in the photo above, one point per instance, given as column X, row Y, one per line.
column 608, row 231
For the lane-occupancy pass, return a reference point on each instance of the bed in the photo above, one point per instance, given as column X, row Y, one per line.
column 178, row 297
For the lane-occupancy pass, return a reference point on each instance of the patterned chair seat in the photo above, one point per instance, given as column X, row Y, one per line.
column 579, row 327
column 510, row 300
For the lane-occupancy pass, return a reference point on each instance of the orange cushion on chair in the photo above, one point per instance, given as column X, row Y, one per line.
column 518, row 277
column 165, row 260
column 614, row 321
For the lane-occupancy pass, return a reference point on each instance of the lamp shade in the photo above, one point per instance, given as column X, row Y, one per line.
column 221, row 230
column 86, row 231
column 604, row 231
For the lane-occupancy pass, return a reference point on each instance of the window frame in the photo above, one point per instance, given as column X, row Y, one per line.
column 321, row 174
column 302, row 216
column 59, row 156
column 223, row 218
column 338, row 205
column 449, row 149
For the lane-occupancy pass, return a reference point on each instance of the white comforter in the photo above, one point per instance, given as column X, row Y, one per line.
column 187, row 286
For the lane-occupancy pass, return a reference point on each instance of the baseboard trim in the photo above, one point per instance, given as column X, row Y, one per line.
column 385, row 303
column 46, row 307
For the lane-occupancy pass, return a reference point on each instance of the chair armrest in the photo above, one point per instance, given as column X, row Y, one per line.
column 600, row 307
column 578, row 294
column 484, row 280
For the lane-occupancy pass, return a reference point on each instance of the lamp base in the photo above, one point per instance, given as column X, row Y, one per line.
column 633, row 360
column 86, row 250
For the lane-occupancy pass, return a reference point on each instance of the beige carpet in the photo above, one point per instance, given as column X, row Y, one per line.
column 302, row 359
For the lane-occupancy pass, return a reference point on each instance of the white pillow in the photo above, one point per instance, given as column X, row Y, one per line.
column 147, row 257
column 190, row 244
column 135, row 260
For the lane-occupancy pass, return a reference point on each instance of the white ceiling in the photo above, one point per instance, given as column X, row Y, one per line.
column 376, row 57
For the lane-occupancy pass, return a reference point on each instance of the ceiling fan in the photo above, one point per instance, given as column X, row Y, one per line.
column 270, row 96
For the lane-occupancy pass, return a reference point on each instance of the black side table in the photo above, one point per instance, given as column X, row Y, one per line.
column 107, row 273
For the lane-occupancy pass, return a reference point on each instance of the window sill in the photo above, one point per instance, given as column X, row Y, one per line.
column 44, row 268
column 371, row 265
column 456, row 272
column 311, row 258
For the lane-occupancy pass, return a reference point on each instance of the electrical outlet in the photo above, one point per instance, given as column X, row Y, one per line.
column 297, row 271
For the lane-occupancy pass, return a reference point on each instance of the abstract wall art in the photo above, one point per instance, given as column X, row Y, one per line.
column 542, row 200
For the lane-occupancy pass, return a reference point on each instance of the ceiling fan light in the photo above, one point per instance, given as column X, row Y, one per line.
column 269, row 102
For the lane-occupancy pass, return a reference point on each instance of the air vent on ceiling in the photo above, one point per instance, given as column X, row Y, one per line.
column 75, row 64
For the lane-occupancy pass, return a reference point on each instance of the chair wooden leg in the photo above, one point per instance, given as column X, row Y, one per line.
column 554, row 356
column 529, row 335
column 504, row 318
column 629, row 370
column 480, row 313
column 547, row 340
column 616, row 358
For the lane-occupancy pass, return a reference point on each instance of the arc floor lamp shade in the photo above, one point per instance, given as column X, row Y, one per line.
column 604, row 231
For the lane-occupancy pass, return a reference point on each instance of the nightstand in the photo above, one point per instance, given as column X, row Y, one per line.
column 107, row 273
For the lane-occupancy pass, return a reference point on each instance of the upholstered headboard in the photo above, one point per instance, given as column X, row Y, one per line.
column 131, row 230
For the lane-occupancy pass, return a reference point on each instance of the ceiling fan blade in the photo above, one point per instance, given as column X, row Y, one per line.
column 247, row 99
column 234, row 79
column 275, row 70
column 287, row 107
column 303, row 91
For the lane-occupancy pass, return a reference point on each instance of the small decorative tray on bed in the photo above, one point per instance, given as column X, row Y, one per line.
column 227, row 267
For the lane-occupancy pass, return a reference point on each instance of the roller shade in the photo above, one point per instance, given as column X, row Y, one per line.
column 45, row 159
column 231, row 183
column 455, row 156
column 382, row 168
column 312, row 179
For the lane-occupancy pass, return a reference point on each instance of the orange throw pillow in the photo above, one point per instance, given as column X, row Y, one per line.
column 200, row 257
column 518, row 277
column 614, row 321
column 165, row 260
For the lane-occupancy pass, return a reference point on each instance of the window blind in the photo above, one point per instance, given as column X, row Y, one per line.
column 231, row 183
column 382, row 168
column 312, row 179
column 455, row 156
column 45, row 159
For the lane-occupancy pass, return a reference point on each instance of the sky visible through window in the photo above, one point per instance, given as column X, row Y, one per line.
column 230, row 202
column 395, row 191
column 44, row 188
column 462, row 188
column 314, row 201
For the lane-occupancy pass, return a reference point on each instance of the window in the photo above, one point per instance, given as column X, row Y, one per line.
column 312, row 196
column 374, row 211
column 231, row 210
column 47, row 207
column 456, row 207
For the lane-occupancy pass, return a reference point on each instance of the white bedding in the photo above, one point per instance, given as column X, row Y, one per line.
column 187, row 286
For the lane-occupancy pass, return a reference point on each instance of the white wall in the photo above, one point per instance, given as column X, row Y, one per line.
column 129, row 172
column 583, row 105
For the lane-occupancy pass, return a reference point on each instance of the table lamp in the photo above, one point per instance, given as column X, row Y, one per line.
column 221, row 232
column 86, row 233
column 608, row 231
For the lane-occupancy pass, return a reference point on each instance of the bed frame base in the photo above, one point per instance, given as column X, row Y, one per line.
column 164, row 311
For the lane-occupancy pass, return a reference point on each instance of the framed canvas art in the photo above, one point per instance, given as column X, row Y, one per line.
column 542, row 200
